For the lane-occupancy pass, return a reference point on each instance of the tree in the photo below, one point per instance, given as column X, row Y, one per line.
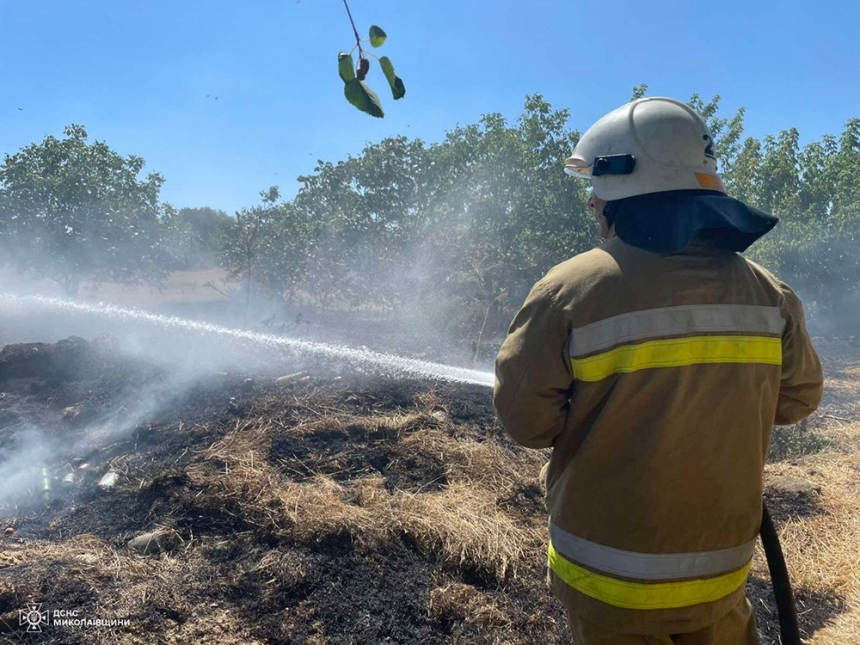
column 367, row 214
column 503, row 213
column 455, row 233
column 242, row 250
column 813, row 190
column 73, row 210
column 285, row 249
column 268, row 245
column 195, row 237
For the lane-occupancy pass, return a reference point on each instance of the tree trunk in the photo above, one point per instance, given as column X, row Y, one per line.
column 477, row 343
column 248, row 274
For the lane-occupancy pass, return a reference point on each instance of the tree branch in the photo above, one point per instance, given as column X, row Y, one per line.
column 354, row 30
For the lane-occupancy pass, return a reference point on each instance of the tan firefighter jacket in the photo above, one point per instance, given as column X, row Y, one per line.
column 656, row 380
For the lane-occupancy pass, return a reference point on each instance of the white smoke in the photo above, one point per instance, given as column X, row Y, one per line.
column 188, row 353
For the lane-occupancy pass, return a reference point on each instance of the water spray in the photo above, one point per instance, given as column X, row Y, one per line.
column 399, row 366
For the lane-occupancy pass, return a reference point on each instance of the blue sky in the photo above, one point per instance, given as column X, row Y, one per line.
column 137, row 73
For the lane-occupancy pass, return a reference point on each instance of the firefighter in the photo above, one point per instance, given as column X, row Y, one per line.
column 655, row 366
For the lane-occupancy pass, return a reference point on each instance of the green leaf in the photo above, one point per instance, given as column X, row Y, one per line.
column 345, row 67
column 361, row 96
column 398, row 90
column 377, row 36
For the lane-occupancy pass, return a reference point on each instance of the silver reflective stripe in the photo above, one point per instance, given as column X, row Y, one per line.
column 649, row 566
column 669, row 321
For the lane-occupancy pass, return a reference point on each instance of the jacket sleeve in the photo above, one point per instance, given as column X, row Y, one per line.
column 802, row 380
column 533, row 377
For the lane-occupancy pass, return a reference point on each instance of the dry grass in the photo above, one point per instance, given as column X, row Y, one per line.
column 84, row 561
column 822, row 548
column 462, row 523
column 461, row 602
column 124, row 586
column 465, row 527
column 484, row 464
column 790, row 442
column 236, row 470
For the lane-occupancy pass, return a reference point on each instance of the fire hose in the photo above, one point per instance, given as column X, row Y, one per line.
column 788, row 629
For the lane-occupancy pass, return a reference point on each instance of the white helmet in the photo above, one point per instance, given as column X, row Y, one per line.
column 648, row 146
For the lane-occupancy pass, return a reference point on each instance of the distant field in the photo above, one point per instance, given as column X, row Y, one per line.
column 181, row 287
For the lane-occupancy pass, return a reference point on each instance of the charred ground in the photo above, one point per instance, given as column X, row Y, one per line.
column 336, row 510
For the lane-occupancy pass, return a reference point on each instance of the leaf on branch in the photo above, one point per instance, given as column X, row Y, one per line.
column 365, row 99
column 345, row 67
column 377, row 36
column 398, row 90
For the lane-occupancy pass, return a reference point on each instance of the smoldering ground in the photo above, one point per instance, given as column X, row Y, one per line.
column 179, row 355
column 343, row 511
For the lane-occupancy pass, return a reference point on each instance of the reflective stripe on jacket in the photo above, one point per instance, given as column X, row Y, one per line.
column 656, row 379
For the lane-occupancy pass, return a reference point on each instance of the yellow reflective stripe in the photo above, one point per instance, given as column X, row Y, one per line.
column 638, row 595
column 678, row 352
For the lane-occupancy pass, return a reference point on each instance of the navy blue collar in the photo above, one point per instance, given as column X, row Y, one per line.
column 667, row 222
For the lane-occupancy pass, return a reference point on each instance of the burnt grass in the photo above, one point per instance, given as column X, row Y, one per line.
column 244, row 570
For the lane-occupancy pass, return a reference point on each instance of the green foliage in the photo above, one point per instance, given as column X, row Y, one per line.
column 366, row 213
column 268, row 247
column 639, row 92
column 357, row 92
column 194, row 237
column 71, row 210
column 345, row 67
column 361, row 96
column 814, row 248
column 456, row 232
column 398, row 90
column 459, row 231
column 377, row 36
